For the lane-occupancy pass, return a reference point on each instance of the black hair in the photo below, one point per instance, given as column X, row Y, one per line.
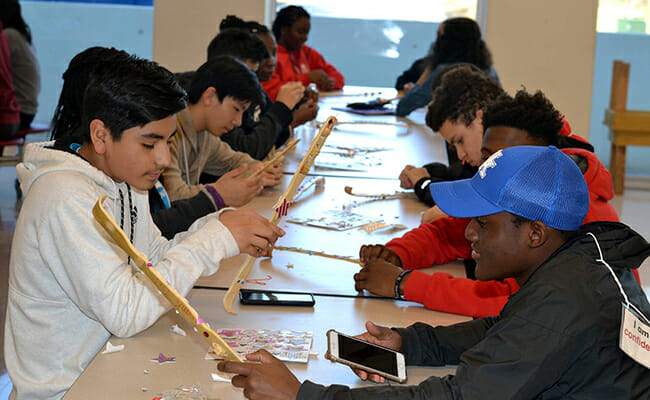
column 230, row 78
column 11, row 17
column 460, row 95
column 460, row 41
column 232, row 21
column 518, row 221
column 67, row 115
column 287, row 17
column 533, row 113
column 131, row 93
column 239, row 44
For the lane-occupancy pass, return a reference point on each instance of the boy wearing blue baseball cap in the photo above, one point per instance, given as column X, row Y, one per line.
column 557, row 337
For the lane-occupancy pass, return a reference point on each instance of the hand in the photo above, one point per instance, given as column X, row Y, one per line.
column 407, row 86
column 432, row 214
column 252, row 232
column 306, row 112
column 378, row 276
column 235, row 190
column 272, row 176
column 270, row 379
column 290, row 94
column 381, row 336
column 311, row 95
column 378, row 251
column 320, row 77
column 404, row 180
column 415, row 174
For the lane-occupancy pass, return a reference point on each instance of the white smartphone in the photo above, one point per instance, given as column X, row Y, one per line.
column 367, row 356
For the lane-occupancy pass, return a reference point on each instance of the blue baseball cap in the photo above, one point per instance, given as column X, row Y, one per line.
column 535, row 182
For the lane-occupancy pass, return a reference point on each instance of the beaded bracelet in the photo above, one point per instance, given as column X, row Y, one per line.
column 398, row 282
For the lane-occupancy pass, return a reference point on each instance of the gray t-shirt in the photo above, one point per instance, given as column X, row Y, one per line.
column 25, row 69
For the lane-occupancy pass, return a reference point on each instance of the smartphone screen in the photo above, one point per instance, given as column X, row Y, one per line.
column 276, row 298
column 363, row 353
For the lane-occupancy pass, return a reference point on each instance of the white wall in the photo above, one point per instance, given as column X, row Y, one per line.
column 183, row 29
column 61, row 30
column 547, row 45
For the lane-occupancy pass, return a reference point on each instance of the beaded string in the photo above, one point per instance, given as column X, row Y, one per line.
column 133, row 213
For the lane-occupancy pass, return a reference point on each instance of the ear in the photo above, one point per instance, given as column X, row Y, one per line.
column 538, row 234
column 209, row 96
column 479, row 116
column 99, row 135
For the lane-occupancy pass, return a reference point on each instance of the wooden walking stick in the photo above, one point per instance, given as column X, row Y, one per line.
column 276, row 157
column 280, row 209
column 181, row 305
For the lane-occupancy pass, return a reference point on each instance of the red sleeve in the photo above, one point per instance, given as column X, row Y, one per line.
column 443, row 292
column 316, row 61
column 439, row 242
column 272, row 86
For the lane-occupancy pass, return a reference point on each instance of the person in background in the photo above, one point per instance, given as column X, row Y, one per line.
column 267, row 125
column 26, row 73
column 459, row 41
column 307, row 108
column 221, row 90
column 296, row 60
column 9, row 109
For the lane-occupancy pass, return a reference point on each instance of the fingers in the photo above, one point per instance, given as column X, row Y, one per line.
column 371, row 252
column 237, row 171
column 234, row 367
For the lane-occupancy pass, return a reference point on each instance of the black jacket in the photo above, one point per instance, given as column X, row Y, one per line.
column 256, row 138
column 556, row 338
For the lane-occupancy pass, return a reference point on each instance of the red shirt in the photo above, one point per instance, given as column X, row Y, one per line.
column 443, row 241
column 294, row 65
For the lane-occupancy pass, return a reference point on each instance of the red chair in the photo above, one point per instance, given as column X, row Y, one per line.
column 19, row 142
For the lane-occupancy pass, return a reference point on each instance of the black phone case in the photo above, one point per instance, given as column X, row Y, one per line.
column 248, row 301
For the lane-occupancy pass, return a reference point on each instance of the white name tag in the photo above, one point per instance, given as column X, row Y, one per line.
column 634, row 338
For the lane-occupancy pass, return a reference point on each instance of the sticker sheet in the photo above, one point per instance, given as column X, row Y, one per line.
column 339, row 220
column 291, row 346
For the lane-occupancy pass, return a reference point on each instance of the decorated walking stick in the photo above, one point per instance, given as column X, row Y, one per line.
column 276, row 157
column 317, row 253
column 281, row 208
column 395, row 195
column 181, row 305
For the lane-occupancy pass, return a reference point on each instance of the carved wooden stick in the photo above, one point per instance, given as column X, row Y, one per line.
column 396, row 195
column 280, row 208
column 276, row 157
column 317, row 253
column 181, row 305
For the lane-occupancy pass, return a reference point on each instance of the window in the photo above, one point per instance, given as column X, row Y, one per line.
column 404, row 10
column 624, row 16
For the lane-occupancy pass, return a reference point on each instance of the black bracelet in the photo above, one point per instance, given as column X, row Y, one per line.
column 398, row 282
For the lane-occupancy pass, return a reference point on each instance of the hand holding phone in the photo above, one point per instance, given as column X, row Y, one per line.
column 367, row 357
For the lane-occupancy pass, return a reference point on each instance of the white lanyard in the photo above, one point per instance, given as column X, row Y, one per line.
column 634, row 337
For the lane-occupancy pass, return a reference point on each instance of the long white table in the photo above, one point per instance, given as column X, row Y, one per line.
column 130, row 374
column 405, row 140
column 294, row 272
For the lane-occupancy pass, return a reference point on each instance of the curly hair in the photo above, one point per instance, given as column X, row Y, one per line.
column 462, row 92
column 460, row 41
column 287, row 17
column 233, row 21
column 533, row 113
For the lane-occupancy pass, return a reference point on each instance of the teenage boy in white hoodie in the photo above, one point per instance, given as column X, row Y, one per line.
column 70, row 286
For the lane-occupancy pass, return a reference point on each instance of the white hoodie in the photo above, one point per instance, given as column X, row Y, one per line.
column 70, row 287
